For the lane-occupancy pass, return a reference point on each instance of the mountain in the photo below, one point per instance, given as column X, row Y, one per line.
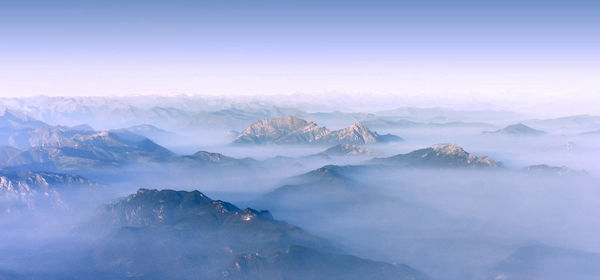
column 15, row 128
column 170, row 234
column 27, row 189
column 360, row 134
column 10, row 119
column 215, row 159
column 335, row 184
column 67, row 149
column 292, row 130
column 348, row 150
column 330, row 185
column 550, row 263
column 56, row 136
column 438, row 114
column 518, row 130
column 439, row 156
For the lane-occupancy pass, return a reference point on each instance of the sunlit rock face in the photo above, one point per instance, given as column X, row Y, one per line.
column 292, row 130
column 440, row 156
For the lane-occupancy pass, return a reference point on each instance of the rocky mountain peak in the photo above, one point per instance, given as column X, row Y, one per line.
column 293, row 130
column 449, row 149
column 444, row 155
column 150, row 207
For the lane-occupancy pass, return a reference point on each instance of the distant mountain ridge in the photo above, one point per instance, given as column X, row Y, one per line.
column 26, row 189
column 76, row 150
column 518, row 130
column 439, row 156
column 293, row 130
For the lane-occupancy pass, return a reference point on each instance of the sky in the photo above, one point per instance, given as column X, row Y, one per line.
column 492, row 50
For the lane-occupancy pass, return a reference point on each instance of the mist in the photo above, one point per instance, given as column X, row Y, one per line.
column 456, row 195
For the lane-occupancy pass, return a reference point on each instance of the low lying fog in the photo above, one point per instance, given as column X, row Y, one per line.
column 449, row 223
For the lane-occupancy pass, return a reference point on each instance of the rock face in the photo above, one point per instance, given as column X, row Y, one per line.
column 518, row 130
column 292, row 130
column 186, row 235
column 439, row 156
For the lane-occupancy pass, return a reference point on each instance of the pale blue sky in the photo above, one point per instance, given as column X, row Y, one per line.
column 491, row 48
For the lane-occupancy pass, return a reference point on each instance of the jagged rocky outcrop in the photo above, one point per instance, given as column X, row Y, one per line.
column 439, row 156
column 167, row 234
column 517, row 130
column 292, row 130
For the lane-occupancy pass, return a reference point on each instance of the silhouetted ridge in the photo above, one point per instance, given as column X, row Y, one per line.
column 518, row 129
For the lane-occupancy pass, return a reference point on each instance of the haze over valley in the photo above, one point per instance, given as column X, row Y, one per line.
column 191, row 187
column 299, row 140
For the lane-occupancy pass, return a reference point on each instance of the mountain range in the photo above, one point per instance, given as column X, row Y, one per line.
column 36, row 189
column 439, row 156
column 151, row 232
column 293, row 130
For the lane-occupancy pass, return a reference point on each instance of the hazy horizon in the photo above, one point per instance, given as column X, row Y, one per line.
column 299, row 140
column 513, row 54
